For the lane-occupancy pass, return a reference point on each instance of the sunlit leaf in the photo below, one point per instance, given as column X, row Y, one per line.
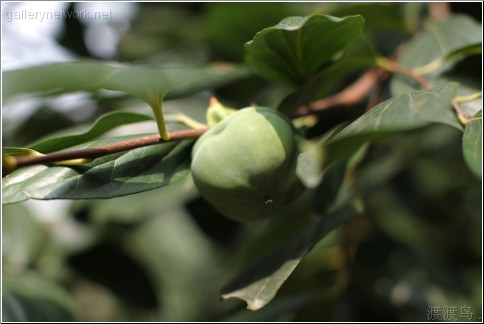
column 110, row 176
column 472, row 144
column 406, row 112
column 139, row 81
column 298, row 47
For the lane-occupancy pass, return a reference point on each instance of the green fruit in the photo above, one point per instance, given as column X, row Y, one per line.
column 245, row 165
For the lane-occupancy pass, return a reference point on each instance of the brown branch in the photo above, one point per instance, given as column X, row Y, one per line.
column 393, row 66
column 409, row 73
column 353, row 94
column 102, row 150
column 358, row 91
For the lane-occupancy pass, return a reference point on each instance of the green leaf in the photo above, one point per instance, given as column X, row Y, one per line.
column 297, row 48
column 437, row 48
column 102, row 125
column 406, row 112
column 472, row 144
column 31, row 298
column 139, row 81
column 442, row 40
column 135, row 209
column 360, row 54
column 240, row 21
column 110, row 176
column 259, row 284
column 467, row 87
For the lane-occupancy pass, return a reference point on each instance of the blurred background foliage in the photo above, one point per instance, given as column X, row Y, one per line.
column 165, row 254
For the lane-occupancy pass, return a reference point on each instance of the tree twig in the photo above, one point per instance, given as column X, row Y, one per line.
column 349, row 96
column 393, row 66
column 103, row 150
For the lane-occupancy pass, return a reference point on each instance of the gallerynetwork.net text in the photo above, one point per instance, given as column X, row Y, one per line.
column 61, row 14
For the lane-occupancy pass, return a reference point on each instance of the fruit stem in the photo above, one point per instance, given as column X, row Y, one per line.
column 156, row 103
